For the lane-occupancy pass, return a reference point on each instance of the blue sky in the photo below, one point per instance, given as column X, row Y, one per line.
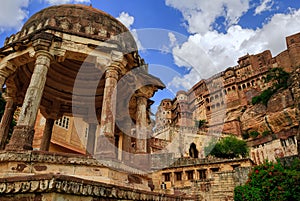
column 185, row 40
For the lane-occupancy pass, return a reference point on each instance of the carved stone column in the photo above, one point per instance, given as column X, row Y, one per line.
column 6, row 120
column 45, row 144
column 91, row 139
column 126, row 140
column 141, row 125
column 106, row 140
column 23, row 133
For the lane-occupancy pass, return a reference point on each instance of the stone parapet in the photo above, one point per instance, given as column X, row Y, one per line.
column 49, row 186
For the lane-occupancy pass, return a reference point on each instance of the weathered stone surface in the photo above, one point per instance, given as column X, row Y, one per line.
column 10, row 108
column 205, row 179
column 280, row 101
column 253, row 119
column 59, row 187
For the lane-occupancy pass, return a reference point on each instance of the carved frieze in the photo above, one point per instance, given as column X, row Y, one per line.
column 70, row 185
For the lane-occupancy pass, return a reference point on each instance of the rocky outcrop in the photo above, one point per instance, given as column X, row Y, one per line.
column 281, row 113
column 260, row 118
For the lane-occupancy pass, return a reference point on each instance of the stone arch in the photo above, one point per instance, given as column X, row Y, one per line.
column 193, row 152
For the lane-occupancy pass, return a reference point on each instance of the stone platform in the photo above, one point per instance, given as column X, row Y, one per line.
column 36, row 175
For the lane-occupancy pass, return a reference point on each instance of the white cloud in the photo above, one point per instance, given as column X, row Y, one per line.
column 172, row 38
column 126, row 19
column 264, row 6
column 57, row 2
column 12, row 14
column 200, row 15
column 221, row 50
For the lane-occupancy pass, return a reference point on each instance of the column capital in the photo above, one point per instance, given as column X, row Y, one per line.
column 43, row 53
column 42, row 41
column 117, row 60
column 112, row 72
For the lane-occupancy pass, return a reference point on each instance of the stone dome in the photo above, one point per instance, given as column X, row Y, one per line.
column 77, row 19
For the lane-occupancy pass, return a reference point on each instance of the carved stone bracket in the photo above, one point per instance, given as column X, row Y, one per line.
column 146, row 91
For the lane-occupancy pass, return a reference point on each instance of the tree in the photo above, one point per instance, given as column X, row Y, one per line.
column 200, row 123
column 271, row 181
column 228, row 147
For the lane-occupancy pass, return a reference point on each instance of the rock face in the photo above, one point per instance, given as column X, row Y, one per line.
column 277, row 124
column 279, row 115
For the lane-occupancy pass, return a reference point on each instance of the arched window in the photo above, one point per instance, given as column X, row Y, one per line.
column 193, row 151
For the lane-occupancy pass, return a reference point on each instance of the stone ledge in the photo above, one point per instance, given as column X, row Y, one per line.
column 64, row 159
column 265, row 139
column 71, row 185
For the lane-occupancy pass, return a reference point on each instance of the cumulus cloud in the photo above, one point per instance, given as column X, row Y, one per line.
column 210, row 52
column 126, row 19
column 200, row 15
column 12, row 14
column 264, row 6
column 57, row 2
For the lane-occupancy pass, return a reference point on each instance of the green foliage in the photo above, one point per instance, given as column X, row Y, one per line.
column 280, row 80
column 200, row 123
column 228, row 147
column 271, row 181
column 254, row 134
column 245, row 135
column 266, row 132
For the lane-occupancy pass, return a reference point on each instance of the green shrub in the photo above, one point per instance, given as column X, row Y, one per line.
column 228, row 147
column 200, row 123
column 266, row 132
column 279, row 78
column 254, row 134
column 271, row 182
column 245, row 135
